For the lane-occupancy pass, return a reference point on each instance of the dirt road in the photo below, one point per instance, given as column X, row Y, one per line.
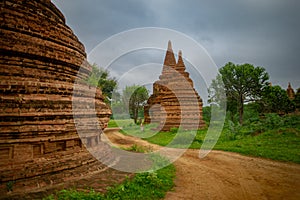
column 225, row 175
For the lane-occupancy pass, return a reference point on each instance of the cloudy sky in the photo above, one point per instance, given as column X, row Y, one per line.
column 261, row 32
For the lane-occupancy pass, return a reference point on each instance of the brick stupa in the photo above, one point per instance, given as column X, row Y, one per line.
column 174, row 102
column 290, row 92
column 39, row 61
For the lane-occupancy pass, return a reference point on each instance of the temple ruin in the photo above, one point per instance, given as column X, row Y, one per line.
column 290, row 92
column 174, row 102
column 39, row 61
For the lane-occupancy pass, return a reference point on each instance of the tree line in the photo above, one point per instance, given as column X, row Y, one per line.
column 246, row 83
column 235, row 86
column 131, row 100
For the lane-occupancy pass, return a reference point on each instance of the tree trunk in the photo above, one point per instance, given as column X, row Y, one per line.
column 241, row 110
column 135, row 115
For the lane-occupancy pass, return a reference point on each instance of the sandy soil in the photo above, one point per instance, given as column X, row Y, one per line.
column 225, row 175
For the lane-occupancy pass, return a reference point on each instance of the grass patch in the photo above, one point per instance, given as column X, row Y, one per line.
column 120, row 123
column 149, row 185
column 270, row 144
column 138, row 149
column 273, row 137
column 128, row 127
column 143, row 186
column 165, row 138
column 161, row 138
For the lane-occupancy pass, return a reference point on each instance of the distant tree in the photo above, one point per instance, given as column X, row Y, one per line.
column 206, row 113
column 242, row 83
column 101, row 78
column 297, row 99
column 107, row 85
column 135, row 97
column 216, row 92
column 275, row 99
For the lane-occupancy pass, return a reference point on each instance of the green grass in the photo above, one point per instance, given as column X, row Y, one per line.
column 120, row 123
column 272, row 137
column 130, row 128
column 270, row 144
column 274, row 144
column 161, row 138
column 149, row 185
column 143, row 186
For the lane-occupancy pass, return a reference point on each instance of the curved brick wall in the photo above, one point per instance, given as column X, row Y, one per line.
column 39, row 60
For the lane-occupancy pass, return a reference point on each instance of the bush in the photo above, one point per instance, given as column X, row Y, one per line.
column 231, row 130
column 273, row 120
column 206, row 113
column 174, row 130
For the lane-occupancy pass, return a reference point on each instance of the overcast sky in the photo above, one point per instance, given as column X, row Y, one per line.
column 261, row 32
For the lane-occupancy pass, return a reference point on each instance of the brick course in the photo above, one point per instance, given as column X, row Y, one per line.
column 174, row 102
column 40, row 58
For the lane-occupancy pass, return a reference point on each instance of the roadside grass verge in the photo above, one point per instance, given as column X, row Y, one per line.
column 120, row 123
column 270, row 144
column 272, row 137
column 147, row 185
column 143, row 186
column 273, row 144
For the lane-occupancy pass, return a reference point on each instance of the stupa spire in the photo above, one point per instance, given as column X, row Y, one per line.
column 170, row 58
column 170, row 46
column 174, row 102
column 180, row 53
column 180, row 65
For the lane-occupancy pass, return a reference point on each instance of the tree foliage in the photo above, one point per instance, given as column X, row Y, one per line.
column 297, row 99
column 101, row 78
column 135, row 97
column 242, row 83
column 107, row 84
column 276, row 100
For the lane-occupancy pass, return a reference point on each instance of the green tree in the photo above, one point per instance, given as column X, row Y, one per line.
column 275, row 99
column 101, row 78
column 297, row 99
column 242, row 83
column 135, row 98
column 206, row 113
column 107, row 85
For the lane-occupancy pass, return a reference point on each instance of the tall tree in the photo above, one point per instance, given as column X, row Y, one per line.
column 101, row 78
column 135, row 97
column 242, row 83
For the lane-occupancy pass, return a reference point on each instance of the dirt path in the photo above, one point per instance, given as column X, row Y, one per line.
column 225, row 175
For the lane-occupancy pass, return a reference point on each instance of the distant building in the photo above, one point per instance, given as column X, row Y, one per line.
column 290, row 92
column 174, row 102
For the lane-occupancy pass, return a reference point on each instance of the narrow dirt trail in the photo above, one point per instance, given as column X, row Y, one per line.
column 226, row 175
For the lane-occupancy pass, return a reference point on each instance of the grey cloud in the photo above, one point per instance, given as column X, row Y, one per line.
column 264, row 33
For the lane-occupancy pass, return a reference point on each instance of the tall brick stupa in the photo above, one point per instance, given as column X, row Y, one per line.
column 40, row 58
column 174, row 102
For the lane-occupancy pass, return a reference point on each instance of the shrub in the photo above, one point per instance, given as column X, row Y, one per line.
column 174, row 130
column 273, row 120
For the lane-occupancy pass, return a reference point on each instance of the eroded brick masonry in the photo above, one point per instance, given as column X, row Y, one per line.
column 174, row 102
column 39, row 61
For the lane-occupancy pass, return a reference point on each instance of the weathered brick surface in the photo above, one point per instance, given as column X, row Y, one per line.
column 174, row 102
column 40, row 58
